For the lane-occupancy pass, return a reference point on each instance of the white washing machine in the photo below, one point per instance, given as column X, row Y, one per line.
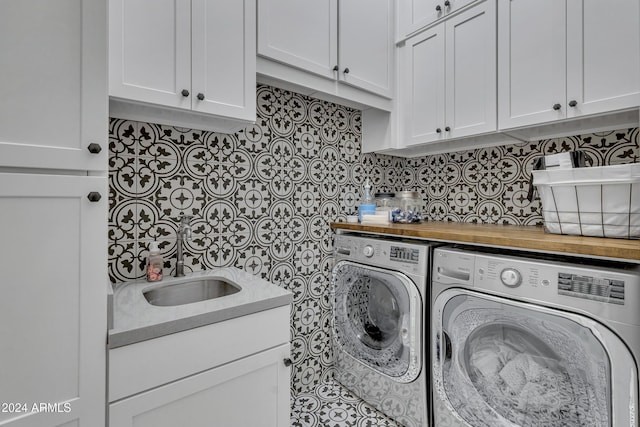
column 379, row 295
column 532, row 341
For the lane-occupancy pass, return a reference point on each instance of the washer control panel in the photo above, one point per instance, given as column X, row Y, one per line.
column 589, row 287
column 393, row 254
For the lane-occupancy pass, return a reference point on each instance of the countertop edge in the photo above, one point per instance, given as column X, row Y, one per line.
column 518, row 237
column 145, row 333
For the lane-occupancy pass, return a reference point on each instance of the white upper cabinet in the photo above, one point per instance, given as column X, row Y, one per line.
column 448, row 79
column 54, row 75
column 603, row 56
column 566, row 59
column 416, row 14
column 366, row 45
column 349, row 41
column 301, row 34
column 190, row 55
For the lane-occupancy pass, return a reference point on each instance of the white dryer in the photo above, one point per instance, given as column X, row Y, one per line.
column 379, row 294
column 524, row 340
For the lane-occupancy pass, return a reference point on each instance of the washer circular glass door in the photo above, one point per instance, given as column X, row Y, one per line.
column 377, row 319
column 503, row 363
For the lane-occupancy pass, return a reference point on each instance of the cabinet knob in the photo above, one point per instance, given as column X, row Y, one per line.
column 557, row 106
column 447, row 3
column 200, row 96
column 447, row 129
column 94, row 196
column 185, row 92
column 573, row 103
column 438, row 8
column 346, row 71
column 335, row 68
column 439, row 130
column 287, row 362
column 94, row 148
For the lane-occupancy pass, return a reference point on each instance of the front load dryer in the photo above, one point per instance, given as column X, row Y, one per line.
column 379, row 294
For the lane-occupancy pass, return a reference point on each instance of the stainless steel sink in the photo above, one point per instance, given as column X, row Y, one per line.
column 190, row 291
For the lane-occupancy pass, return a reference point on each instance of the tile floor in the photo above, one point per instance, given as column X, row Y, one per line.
column 331, row 405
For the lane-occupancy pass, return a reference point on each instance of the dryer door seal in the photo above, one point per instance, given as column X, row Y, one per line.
column 377, row 319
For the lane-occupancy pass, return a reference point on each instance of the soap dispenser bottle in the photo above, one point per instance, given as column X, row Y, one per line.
column 154, row 263
column 367, row 205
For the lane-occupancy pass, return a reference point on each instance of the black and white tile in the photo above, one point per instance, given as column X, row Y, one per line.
column 262, row 198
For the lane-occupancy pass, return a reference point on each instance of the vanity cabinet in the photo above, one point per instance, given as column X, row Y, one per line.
column 416, row 14
column 233, row 373
column 566, row 59
column 447, row 79
column 183, row 62
column 331, row 40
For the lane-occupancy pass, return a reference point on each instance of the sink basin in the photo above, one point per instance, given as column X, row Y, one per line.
column 190, row 291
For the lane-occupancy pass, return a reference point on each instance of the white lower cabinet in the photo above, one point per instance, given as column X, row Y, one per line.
column 53, row 306
column 253, row 391
column 233, row 373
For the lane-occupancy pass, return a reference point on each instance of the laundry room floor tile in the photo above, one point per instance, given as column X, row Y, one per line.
column 331, row 405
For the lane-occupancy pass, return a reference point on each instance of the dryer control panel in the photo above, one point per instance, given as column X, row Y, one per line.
column 407, row 257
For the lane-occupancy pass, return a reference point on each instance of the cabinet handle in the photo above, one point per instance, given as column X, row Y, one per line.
column 94, row 148
column 557, row 106
column 200, row 96
column 438, row 9
column 447, row 3
column 346, row 71
column 573, row 103
column 438, row 130
column 335, row 68
column 287, row 362
column 185, row 92
column 94, row 196
column 447, row 129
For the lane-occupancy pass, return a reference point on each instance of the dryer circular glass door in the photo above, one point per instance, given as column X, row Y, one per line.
column 377, row 319
column 502, row 363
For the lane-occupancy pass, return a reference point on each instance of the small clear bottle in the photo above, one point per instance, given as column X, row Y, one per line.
column 154, row 263
column 367, row 205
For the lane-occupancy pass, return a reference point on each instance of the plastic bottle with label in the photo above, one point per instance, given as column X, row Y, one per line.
column 367, row 205
column 154, row 263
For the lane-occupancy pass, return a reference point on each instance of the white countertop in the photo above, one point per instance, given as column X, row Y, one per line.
column 135, row 320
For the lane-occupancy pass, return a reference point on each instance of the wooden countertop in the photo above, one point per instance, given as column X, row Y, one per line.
column 511, row 236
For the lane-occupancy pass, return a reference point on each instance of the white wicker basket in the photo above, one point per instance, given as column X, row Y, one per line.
column 600, row 201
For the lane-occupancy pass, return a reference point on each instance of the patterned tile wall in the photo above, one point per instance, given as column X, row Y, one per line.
column 262, row 198
column 490, row 185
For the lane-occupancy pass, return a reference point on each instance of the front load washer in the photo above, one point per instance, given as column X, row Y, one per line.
column 526, row 340
column 379, row 293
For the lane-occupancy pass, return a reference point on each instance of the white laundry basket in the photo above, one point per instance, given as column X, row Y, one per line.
column 599, row 201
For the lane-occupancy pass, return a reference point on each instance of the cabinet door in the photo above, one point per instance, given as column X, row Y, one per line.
column 415, row 14
column 150, row 51
column 253, row 391
column 53, row 322
column 422, row 88
column 603, row 56
column 366, row 46
column 53, row 86
column 302, row 34
column 471, row 93
column 223, row 58
column 531, row 62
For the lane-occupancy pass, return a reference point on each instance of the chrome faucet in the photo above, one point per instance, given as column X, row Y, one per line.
column 184, row 235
